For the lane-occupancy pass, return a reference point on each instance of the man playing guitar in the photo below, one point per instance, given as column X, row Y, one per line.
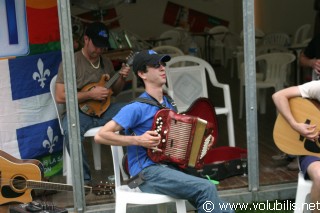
column 91, row 65
column 310, row 165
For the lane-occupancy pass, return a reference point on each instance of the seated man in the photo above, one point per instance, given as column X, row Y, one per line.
column 137, row 118
column 91, row 65
column 310, row 165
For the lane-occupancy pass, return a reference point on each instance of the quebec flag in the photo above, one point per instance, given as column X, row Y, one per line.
column 29, row 128
column 28, row 122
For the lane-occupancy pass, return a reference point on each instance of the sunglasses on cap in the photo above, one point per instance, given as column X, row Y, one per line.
column 156, row 66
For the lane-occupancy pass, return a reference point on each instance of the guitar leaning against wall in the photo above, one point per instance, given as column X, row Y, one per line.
column 287, row 139
column 19, row 177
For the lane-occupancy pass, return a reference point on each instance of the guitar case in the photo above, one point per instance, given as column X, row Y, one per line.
column 221, row 163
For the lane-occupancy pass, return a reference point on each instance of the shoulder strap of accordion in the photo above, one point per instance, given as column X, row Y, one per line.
column 156, row 103
column 172, row 102
column 149, row 101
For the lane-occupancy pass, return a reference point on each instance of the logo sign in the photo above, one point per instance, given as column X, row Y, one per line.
column 13, row 28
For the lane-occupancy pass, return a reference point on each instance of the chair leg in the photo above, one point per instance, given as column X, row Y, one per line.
column 162, row 208
column 301, row 194
column 262, row 101
column 121, row 207
column 96, row 150
column 181, row 206
column 230, row 130
column 241, row 102
column 67, row 166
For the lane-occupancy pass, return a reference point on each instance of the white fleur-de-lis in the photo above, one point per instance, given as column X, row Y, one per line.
column 41, row 75
column 52, row 140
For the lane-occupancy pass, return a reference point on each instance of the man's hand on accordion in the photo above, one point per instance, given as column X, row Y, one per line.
column 150, row 140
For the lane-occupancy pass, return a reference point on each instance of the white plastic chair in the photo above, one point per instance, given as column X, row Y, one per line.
column 179, row 38
column 169, row 50
column 187, row 83
column 281, row 39
column 218, row 47
column 175, row 38
column 232, row 42
column 259, row 34
column 272, row 74
column 125, row 195
column 301, row 39
column 303, row 189
column 301, row 35
column 96, row 148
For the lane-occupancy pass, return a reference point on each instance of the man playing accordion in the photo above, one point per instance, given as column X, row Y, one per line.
column 137, row 118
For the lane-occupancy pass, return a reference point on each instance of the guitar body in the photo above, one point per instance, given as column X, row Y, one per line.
column 19, row 177
column 93, row 107
column 97, row 108
column 287, row 139
column 14, row 173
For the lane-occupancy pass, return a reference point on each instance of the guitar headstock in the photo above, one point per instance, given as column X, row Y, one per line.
column 103, row 189
column 130, row 58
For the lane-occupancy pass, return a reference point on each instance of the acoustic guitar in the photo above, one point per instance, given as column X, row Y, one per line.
column 287, row 139
column 19, row 177
column 97, row 108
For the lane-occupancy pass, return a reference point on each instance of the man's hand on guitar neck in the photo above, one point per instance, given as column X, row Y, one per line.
column 124, row 71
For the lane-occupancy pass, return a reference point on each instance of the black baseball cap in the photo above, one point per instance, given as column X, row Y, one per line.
column 148, row 57
column 99, row 34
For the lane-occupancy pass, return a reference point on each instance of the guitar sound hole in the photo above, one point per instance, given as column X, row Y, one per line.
column 19, row 183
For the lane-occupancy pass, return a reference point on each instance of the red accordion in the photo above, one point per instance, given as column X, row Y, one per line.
column 185, row 137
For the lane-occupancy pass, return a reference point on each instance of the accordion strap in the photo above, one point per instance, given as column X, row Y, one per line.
column 149, row 101
column 156, row 103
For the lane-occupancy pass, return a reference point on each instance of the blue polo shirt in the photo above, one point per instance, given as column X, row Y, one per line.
column 137, row 118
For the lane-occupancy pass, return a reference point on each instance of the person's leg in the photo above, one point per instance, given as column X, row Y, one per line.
column 112, row 110
column 161, row 179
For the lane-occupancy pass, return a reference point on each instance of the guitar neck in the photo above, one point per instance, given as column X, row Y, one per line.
column 112, row 80
column 52, row 186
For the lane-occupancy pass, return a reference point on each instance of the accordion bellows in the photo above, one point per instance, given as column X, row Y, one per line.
column 185, row 137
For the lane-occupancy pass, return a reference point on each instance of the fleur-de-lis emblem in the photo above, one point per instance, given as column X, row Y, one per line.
column 52, row 140
column 41, row 75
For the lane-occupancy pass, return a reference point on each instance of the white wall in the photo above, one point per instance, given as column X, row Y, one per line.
column 284, row 15
column 145, row 17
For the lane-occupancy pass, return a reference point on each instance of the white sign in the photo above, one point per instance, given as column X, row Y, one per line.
column 13, row 28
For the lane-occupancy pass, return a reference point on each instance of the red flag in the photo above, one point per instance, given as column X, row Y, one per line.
column 43, row 21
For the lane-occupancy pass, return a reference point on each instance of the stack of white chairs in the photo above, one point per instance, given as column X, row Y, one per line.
column 302, row 35
column 217, row 45
column 272, row 74
column 169, row 50
column 280, row 39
